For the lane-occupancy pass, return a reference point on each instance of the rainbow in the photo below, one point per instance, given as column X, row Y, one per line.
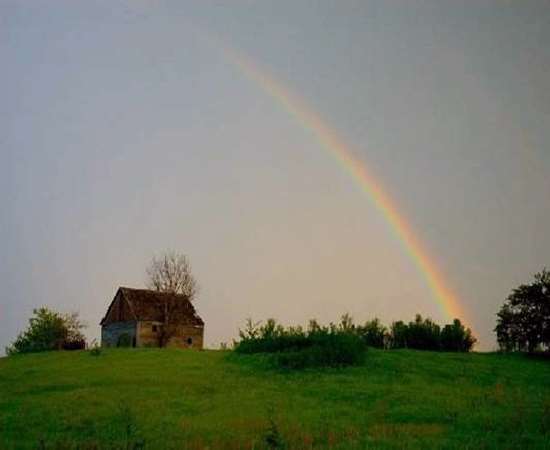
column 329, row 139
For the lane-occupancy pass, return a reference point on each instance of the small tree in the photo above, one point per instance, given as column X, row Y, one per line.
column 48, row 330
column 171, row 273
column 457, row 338
column 398, row 334
column 423, row 334
column 523, row 322
column 373, row 333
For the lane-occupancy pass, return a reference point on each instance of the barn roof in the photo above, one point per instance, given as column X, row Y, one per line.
column 147, row 305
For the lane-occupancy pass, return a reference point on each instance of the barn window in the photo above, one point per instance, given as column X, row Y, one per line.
column 155, row 328
column 189, row 341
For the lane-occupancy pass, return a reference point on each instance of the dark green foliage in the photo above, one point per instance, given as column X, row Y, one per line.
column 523, row 322
column 424, row 334
column 273, row 438
column 456, row 338
column 373, row 333
column 74, row 345
column 296, row 348
column 49, row 330
column 325, row 350
column 345, row 344
column 398, row 334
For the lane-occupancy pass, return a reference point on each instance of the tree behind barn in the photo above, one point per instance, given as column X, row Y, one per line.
column 171, row 273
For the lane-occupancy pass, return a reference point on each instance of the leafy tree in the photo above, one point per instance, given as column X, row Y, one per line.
column 457, row 338
column 398, row 334
column 373, row 333
column 423, row 334
column 523, row 322
column 49, row 330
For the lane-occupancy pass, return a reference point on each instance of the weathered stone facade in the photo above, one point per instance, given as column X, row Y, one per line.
column 190, row 336
column 134, row 318
column 111, row 333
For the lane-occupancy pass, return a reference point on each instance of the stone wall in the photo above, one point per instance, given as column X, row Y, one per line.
column 145, row 334
column 185, row 337
column 188, row 337
column 110, row 334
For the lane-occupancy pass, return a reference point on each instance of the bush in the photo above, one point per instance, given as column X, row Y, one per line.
column 345, row 344
column 457, row 338
column 294, row 348
column 74, row 345
column 49, row 330
column 331, row 350
column 424, row 334
column 373, row 333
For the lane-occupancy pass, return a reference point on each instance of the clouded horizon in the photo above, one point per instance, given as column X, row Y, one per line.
column 127, row 132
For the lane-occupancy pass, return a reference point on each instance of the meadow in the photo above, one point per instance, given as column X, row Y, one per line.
column 173, row 399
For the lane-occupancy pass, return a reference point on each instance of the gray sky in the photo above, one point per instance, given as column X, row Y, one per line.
column 124, row 132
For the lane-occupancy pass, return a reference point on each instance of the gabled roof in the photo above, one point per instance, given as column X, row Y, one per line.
column 147, row 305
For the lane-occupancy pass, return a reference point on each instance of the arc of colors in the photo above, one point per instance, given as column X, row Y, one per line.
column 329, row 139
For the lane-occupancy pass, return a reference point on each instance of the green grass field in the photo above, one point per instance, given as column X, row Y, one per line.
column 190, row 400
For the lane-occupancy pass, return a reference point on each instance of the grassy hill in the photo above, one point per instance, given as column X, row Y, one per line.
column 211, row 399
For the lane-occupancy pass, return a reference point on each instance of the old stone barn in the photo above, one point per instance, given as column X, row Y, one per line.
column 135, row 318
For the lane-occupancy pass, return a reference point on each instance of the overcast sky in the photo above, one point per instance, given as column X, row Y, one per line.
column 124, row 131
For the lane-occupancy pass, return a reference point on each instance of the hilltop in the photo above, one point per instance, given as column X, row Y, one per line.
column 214, row 399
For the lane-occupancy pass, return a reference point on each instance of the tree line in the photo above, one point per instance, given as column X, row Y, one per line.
column 523, row 321
column 419, row 334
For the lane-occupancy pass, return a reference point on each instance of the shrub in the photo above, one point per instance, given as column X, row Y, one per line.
column 373, row 333
column 330, row 350
column 424, row 334
column 49, row 330
column 74, row 345
column 398, row 334
column 457, row 338
column 272, row 437
column 345, row 343
column 294, row 348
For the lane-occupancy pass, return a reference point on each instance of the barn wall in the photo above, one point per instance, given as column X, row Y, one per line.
column 193, row 333
column 148, row 338
column 119, row 311
column 111, row 333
